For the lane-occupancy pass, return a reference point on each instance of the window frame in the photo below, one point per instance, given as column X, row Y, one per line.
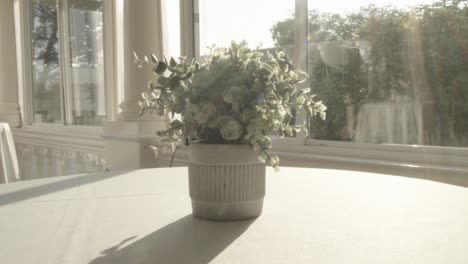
column 417, row 158
column 23, row 23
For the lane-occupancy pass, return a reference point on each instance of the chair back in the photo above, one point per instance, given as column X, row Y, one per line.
column 9, row 170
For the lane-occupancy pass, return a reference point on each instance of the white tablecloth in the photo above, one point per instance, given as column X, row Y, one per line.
column 310, row 216
column 8, row 161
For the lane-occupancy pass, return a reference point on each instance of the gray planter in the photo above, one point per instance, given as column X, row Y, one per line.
column 226, row 182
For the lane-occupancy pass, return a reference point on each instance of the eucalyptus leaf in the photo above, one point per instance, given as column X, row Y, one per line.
column 306, row 90
column 160, row 68
column 154, row 59
column 176, row 124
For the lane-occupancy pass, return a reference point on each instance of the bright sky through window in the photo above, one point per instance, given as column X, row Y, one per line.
column 224, row 20
column 343, row 6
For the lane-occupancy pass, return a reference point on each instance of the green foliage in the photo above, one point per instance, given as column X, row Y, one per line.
column 404, row 55
column 239, row 96
column 445, row 44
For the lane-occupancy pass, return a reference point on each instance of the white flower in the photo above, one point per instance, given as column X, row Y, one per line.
column 232, row 130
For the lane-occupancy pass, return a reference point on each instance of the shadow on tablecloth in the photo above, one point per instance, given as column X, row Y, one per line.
column 56, row 184
column 187, row 240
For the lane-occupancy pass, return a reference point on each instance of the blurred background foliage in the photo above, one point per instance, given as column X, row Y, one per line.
column 392, row 56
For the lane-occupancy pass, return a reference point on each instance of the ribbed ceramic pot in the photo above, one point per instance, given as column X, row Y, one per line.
column 226, row 182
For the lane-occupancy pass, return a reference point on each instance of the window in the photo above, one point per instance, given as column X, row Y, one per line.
column 171, row 27
column 47, row 74
column 390, row 71
column 68, row 62
column 86, row 63
column 243, row 20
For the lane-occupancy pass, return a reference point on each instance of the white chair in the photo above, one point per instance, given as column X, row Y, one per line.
column 9, row 171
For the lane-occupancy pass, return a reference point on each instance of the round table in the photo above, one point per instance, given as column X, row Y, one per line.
column 310, row 216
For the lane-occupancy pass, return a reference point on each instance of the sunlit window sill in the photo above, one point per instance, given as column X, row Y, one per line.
column 414, row 161
column 409, row 160
column 60, row 136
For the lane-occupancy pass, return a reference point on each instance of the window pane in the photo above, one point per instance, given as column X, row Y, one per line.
column 171, row 27
column 243, row 20
column 45, row 62
column 87, row 62
column 390, row 71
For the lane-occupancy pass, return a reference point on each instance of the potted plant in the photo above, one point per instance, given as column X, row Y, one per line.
column 226, row 109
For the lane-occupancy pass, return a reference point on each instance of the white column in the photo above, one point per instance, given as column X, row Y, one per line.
column 142, row 34
column 127, row 139
column 9, row 107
